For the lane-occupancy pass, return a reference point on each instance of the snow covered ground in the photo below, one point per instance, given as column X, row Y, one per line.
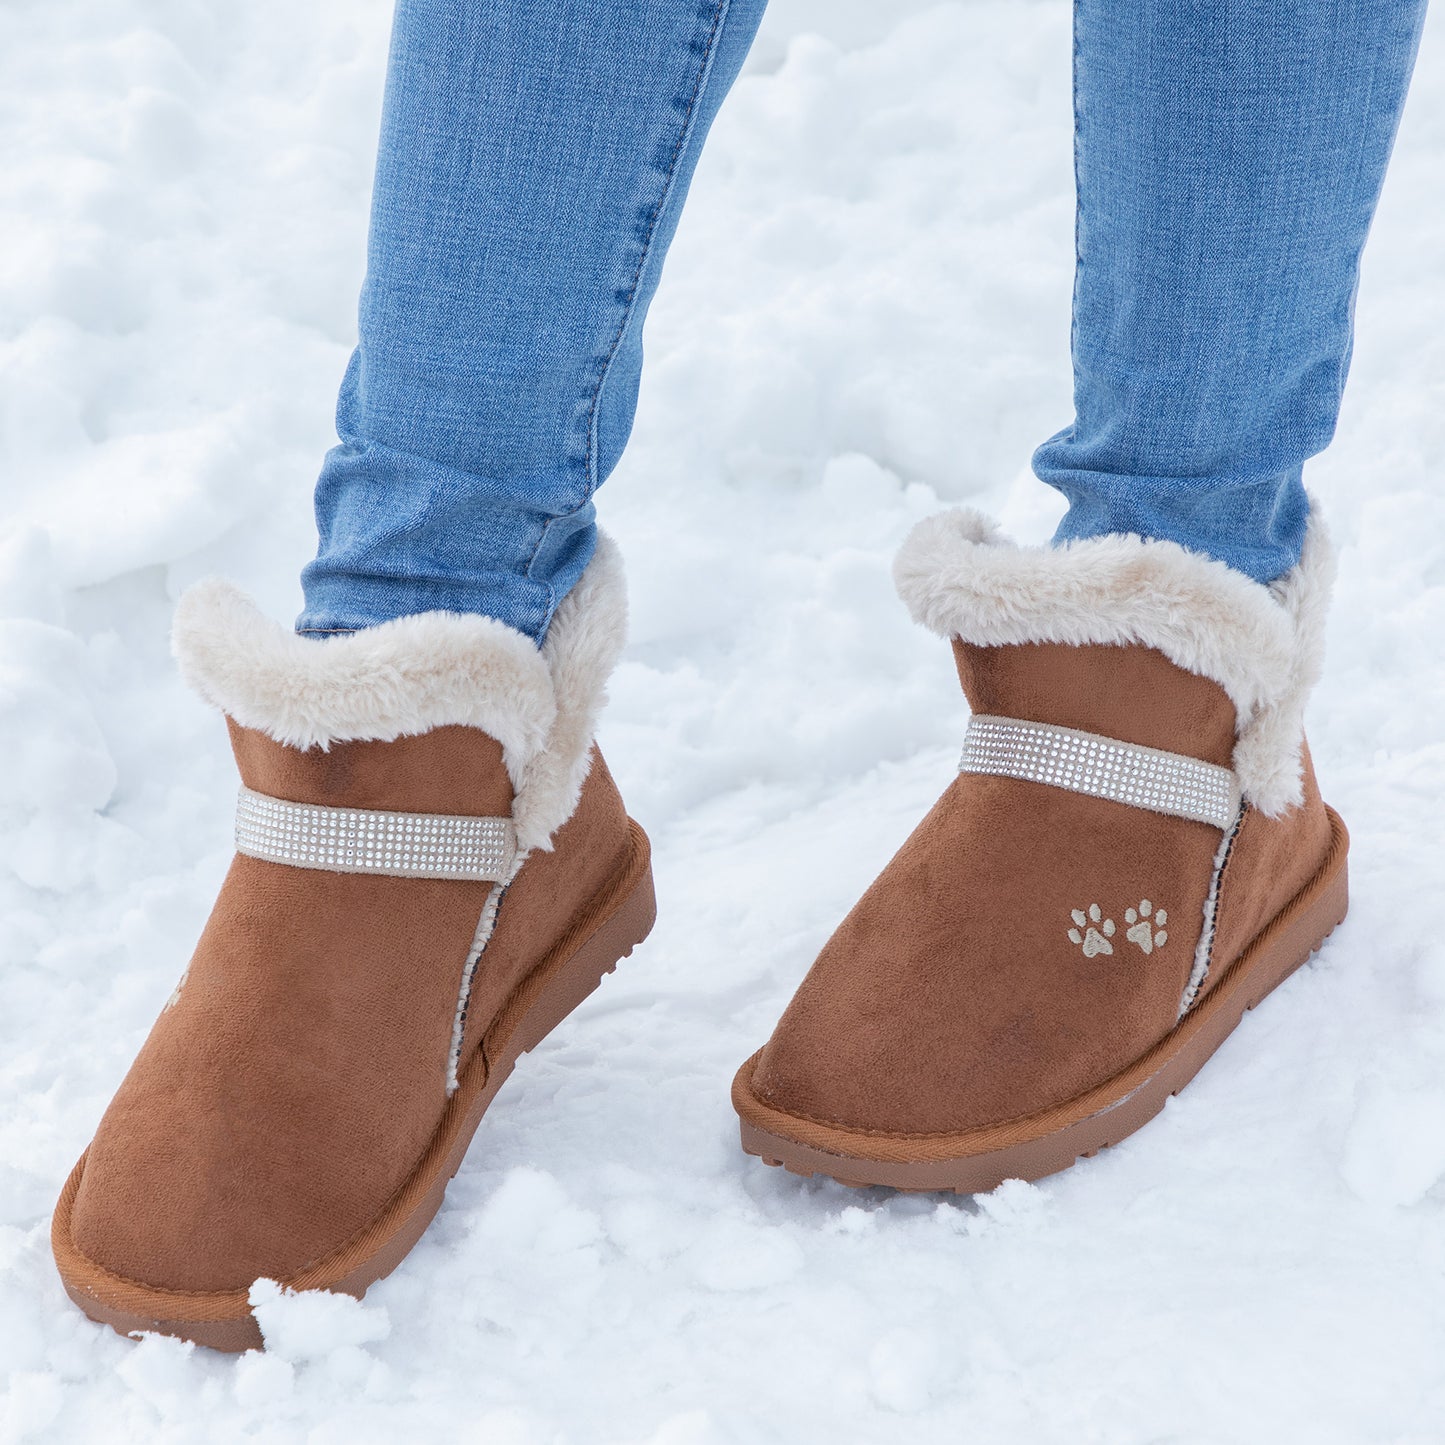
column 864, row 316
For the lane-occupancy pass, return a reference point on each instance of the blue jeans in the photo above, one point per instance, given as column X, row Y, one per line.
column 534, row 159
column 1229, row 155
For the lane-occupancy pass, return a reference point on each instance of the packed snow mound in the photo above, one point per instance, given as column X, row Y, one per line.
column 864, row 318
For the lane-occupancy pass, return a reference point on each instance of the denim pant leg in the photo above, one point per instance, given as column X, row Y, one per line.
column 534, row 159
column 1229, row 155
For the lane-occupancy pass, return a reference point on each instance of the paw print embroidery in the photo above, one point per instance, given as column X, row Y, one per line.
column 1097, row 930
column 1147, row 926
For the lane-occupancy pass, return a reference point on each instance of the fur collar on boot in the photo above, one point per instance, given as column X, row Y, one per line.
column 423, row 672
column 1263, row 645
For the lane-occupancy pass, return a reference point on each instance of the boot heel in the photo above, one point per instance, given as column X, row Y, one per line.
column 574, row 980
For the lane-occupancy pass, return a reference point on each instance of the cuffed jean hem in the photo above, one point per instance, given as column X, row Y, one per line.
column 364, row 602
column 521, row 597
column 347, row 602
column 1257, row 529
column 404, row 535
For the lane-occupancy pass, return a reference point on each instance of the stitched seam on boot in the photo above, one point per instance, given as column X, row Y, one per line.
column 196, row 1294
column 356, row 1234
column 763, row 1096
column 608, row 892
column 863, row 1132
column 486, row 926
column 1204, row 952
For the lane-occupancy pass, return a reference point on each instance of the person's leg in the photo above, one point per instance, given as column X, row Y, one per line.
column 1135, row 850
column 434, row 865
column 1229, row 157
column 534, row 159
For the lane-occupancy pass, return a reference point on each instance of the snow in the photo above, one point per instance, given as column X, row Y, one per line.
column 864, row 317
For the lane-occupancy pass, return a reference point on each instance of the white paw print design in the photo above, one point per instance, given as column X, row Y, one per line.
column 1147, row 926
column 1097, row 930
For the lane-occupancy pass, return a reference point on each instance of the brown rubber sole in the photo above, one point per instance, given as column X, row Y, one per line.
column 1043, row 1144
column 613, row 924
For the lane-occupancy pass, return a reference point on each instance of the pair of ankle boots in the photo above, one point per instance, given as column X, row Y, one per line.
column 434, row 867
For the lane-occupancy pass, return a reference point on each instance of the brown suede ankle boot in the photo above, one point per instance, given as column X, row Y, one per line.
column 433, row 869
column 1134, row 852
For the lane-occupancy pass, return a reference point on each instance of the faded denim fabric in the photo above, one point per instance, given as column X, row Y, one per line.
column 1229, row 155
column 534, row 159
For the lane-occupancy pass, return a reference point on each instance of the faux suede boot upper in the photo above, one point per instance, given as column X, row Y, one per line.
column 349, row 1001
column 1044, row 932
column 953, row 995
column 293, row 1083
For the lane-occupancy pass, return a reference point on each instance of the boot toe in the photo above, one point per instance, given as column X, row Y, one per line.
column 952, row 998
column 165, row 1201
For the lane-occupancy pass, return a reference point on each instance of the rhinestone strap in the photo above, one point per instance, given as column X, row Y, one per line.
column 1182, row 787
column 366, row 840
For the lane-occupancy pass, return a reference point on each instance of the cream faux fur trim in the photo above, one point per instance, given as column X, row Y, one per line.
column 418, row 673
column 582, row 647
column 1263, row 645
column 384, row 682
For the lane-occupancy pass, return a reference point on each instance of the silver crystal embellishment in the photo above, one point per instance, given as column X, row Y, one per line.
column 367, row 840
column 1081, row 762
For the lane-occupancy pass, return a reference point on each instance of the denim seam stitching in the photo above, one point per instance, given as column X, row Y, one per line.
column 704, row 74
column 590, row 484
